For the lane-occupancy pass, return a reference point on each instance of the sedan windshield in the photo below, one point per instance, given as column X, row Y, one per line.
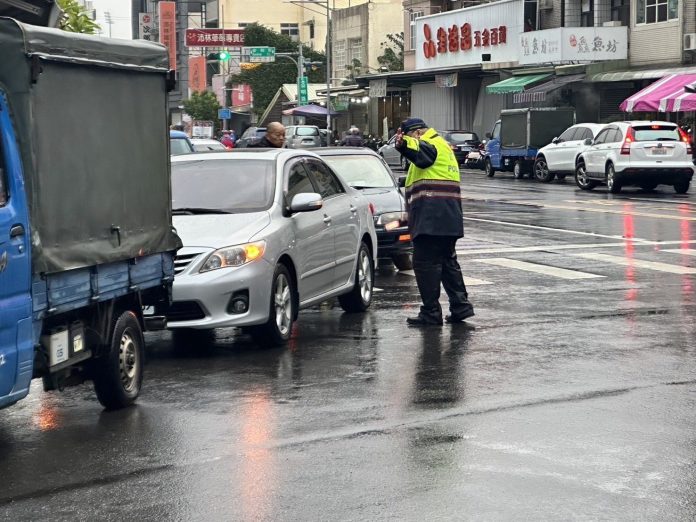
column 179, row 146
column 361, row 171
column 229, row 185
column 462, row 137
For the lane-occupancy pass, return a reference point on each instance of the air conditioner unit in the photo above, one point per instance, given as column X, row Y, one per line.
column 690, row 42
column 613, row 23
column 546, row 4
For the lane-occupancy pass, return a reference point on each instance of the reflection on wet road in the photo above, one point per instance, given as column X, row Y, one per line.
column 570, row 394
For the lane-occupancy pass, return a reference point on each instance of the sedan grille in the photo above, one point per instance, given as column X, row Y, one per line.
column 183, row 260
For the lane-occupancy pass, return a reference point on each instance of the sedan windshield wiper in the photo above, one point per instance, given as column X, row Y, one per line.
column 198, row 210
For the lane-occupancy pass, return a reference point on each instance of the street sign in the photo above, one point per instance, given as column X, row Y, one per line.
column 259, row 54
column 224, row 114
column 302, row 91
column 214, row 37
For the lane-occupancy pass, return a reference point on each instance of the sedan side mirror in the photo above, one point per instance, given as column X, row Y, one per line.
column 402, row 181
column 588, row 142
column 307, row 202
column 556, row 141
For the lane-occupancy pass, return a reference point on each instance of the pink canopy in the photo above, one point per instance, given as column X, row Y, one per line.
column 665, row 95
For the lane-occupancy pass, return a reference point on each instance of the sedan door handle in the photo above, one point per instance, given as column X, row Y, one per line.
column 327, row 219
column 16, row 231
column 353, row 209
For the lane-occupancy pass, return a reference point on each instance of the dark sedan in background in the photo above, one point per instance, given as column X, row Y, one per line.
column 365, row 170
column 462, row 143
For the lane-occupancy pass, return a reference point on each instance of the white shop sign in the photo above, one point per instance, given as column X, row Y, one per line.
column 463, row 36
column 573, row 45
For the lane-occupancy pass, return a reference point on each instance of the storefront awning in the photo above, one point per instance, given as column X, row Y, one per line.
column 640, row 74
column 665, row 95
column 514, row 84
column 538, row 92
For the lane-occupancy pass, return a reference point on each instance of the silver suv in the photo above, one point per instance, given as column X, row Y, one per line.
column 302, row 137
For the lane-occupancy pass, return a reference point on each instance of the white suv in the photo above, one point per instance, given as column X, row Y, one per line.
column 557, row 159
column 642, row 153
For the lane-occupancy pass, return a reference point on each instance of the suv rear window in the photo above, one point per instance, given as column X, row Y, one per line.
column 307, row 131
column 656, row 133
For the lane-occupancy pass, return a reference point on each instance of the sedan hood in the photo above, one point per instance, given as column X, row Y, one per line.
column 385, row 199
column 220, row 230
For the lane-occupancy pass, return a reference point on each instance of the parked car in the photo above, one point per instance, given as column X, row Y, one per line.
column 557, row 159
column 179, row 143
column 364, row 170
column 640, row 153
column 251, row 135
column 462, row 143
column 391, row 155
column 266, row 233
column 203, row 145
column 302, row 137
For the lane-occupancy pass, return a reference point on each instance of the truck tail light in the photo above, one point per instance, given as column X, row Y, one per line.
column 626, row 147
column 685, row 139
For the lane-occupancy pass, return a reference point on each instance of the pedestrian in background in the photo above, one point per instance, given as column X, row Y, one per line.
column 274, row 138
column 353, row 139
column 435, row 222
column 227, row 140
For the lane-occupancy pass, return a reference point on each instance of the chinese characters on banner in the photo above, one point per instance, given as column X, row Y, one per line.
column 455, row 39
column 483, row 33
column 214, row 37
column 146, row 27
column 197, row 74
column 167, row 29
column 241, row 95
column 574, row 44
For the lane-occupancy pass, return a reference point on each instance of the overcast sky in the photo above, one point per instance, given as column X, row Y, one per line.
column 120, row 16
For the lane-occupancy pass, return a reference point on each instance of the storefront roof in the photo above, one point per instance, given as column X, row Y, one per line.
column 406, row 78
column 558, row 81
column 514, row 84
column 665, row 95
column 640, row 74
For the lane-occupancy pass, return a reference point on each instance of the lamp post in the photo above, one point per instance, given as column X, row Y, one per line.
column 324, row 4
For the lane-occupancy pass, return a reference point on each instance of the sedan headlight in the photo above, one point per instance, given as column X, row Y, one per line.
column 236, row 255
column 392, row 220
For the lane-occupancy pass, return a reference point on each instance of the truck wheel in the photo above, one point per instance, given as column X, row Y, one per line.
column 118, row 375
column 518, row 170
column 541, row 170
column 403, row 261
column 488, row 167
column 276, row 331
column 360, row 296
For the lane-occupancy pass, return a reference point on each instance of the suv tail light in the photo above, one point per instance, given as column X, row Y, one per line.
column 685, row 139
column 626, row 147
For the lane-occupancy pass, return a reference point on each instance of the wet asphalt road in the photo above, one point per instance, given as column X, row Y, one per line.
column 570, row 395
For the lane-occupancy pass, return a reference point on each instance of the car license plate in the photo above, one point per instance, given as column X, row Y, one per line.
column 473, row 155
column 659, row 151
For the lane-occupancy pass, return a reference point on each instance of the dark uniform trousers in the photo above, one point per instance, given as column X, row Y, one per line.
column 435, row 262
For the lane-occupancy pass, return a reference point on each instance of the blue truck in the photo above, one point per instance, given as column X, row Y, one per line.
column 86, row 240
column 519, row 133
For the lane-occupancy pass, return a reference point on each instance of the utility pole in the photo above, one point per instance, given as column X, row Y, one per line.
column 108, row 20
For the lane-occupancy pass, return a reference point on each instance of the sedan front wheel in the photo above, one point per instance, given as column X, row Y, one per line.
column 281, row 313
column 360, row 296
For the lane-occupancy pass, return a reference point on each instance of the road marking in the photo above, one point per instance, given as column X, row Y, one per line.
column 468, row 281
column 561, row 273
column 651, row 265
column 685, row 251
column 578, row 246
column 551, row 229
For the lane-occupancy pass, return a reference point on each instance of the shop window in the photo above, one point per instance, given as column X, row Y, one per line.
column 355, row 51
column 620, row 10
column 413, row 16
column 339, row 58
column 656, row 11
column 291, row 30
column 587, row 13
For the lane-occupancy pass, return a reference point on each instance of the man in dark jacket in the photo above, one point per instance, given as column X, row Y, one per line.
column 435, row 222
column 353, row 139
column 274, row 138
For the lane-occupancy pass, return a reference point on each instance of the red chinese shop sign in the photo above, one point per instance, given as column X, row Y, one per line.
column 470, row 36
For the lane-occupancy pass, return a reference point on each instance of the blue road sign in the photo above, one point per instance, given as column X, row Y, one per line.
column 224, row 114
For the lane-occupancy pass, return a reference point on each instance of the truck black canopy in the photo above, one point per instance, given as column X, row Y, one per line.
column 90, row 115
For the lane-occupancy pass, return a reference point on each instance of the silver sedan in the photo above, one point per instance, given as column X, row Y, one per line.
column 266, row 233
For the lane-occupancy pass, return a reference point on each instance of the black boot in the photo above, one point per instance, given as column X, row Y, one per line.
column 423, row 320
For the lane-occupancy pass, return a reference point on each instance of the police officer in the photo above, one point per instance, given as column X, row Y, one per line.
column 435, row 222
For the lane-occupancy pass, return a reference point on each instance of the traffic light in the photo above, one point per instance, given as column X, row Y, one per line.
column 220, row 56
